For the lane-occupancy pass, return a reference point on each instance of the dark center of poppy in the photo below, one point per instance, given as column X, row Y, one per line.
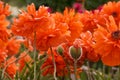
column 114, row 14
column 116, row 34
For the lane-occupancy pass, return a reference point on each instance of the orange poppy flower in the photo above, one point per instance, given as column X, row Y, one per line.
column 4, row 34
column 28, row 44
column 3, row 55
column 31, row 21
column 51, row 37
column 11, row 67
column 41, row 23
column 86, row 42
column 69, row 60
column 90, row 20
column 3, row 52
column 60, row 65
column 13, row 47
column 4, row 9
column 112, row 8
column 70, row 19
column 24, row 58
column 66, row 54
column 107, row 43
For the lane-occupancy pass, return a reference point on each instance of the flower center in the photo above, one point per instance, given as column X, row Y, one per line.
column 114, row 14
column 116, row 34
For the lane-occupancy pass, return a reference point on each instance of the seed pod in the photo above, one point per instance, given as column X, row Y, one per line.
column 75, row 52
column 60, row 50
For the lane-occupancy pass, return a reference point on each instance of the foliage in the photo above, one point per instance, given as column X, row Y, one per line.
column 64, row 44
column 93, row 4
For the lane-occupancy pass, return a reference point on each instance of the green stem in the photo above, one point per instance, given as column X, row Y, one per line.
column 68, row 68
column 3, row 71
column 34, row 46
column 89, row 72
column 110, row 72
column 119, row 74
column 75, row 69
column 54, row 64
column 103, row 71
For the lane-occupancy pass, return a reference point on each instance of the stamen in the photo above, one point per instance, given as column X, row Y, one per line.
column 116, row 34
column 114, row 14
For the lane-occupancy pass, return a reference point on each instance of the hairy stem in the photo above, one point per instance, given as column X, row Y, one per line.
column 3, row 71
column 119, row 74
column 68, row 68
column 75, row 69
column 34, row 46
column 54, row 64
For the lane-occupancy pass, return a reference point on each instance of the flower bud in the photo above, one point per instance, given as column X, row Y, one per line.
column 75, row 52
column 60, row 50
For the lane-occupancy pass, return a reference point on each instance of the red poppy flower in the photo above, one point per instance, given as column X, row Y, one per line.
column 24, row 58
column 60, row 65
column 90, row 20
column 71, row 20
column 69, row 60
column 3, row 52
column 41, row 24
column 13, row 46
column 31, row 21
column 86, row 42
column 51, row 37
column 4, row 9
column 107, row 43
column 3, row 55
column 4, row 33
column 11, row 67
column 112, row 8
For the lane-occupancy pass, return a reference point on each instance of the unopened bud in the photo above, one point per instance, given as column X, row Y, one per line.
column 75, row 52
column 60, row 50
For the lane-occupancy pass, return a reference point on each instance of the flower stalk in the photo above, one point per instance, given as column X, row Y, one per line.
column 34, row 46
column 60, row 50
column 119, row 74
column 54, row 64
column 75, row 69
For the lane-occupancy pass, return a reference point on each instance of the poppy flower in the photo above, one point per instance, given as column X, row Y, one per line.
column 3, row 55
column 11, row 67
column 107, row 42
column 71, row 19
column 3, row 52
column 32, row 20
column 4, row 32
column 112, row 8
column 28, row 44
column 86, row 42
column 90, row 20
column 68, row 58
column 4, row 9
column 24, row 58
column 12, row 46
column 49, row 67
column 51, row 37
column 41, row 24
column 75, row 26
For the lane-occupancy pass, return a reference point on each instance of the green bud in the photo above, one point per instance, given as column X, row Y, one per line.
column 60, row 50
column 75, row 52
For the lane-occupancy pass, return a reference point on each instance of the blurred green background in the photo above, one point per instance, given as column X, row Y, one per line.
column 57, row 5
column 54, row 5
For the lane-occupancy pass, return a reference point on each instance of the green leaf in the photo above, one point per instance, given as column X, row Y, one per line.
column 83, row 76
